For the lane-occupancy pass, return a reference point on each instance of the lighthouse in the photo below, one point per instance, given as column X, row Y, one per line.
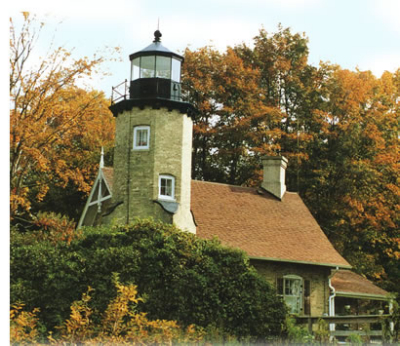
column 151, row 175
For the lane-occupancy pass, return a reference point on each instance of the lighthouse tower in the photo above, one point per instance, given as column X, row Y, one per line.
column 153, row 145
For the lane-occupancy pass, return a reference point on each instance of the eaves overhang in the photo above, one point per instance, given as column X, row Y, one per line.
column 330, row 265
column 156, row 48
column 155, row 103
column 358, row 295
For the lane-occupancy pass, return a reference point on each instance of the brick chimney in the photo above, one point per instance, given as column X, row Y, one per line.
column 274, row 168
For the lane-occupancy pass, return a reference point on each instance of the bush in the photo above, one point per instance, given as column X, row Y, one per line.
column 120, row 324
column 182, row 278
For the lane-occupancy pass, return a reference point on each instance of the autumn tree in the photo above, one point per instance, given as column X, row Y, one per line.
column 288, row 84
column 198, row 78
column 337, row 127
column 353, row 181
column 56, row 128
column 233, row 124
column 251, row 102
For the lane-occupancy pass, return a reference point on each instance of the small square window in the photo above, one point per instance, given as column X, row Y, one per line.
column 166, row 187
column 141, row 137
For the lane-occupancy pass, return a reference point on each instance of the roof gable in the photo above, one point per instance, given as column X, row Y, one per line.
column 101, row 192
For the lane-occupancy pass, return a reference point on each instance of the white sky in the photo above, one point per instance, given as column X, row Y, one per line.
column 351, row 33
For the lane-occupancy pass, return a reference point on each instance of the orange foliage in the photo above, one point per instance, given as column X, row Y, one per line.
column 23, row 325
column 56, row 129
column 120, row 324
column 55, row 228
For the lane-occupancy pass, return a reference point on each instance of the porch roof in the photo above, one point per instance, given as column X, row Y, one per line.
column 352, row 285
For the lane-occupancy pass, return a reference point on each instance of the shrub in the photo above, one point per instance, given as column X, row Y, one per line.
column 23, row 325
column 182, row 278
column 120, row 324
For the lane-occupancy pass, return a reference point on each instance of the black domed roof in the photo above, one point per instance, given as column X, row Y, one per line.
column 156, row 48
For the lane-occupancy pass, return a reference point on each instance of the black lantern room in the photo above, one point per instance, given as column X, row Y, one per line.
column 155, row 79
column 156, row 72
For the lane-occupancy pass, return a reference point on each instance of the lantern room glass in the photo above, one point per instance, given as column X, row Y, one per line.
column 163, row 67
column 147, row 65
column 135, row 73
column 176, row 70
column 156, row 66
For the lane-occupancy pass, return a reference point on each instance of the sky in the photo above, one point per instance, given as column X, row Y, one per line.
column 362, row 34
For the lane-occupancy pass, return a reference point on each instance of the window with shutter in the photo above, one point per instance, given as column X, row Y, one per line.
column 307, row 297
column 279, row 286
column 292, row 290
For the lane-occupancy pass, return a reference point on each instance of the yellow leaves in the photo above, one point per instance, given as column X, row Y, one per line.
column 23, row 325
column 42, row 191
column 55, row 126
column 121, row 324
column 55, row 228
column 19, row 200
column 79, row 325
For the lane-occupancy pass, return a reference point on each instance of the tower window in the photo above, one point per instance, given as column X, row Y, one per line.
column 166, row 187
column 141, row 137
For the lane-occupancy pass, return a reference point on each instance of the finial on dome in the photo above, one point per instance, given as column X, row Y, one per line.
column 157, row 36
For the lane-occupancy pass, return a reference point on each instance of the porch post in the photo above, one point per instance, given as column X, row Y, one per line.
column 332, row 326
column 391, row 324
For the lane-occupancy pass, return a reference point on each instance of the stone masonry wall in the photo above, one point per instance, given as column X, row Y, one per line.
column 318, row 276
column 136, row 172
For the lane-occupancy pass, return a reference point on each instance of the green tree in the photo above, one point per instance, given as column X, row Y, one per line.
column 180, row 276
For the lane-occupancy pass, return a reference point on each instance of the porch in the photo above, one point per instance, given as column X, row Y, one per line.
column 371, row 328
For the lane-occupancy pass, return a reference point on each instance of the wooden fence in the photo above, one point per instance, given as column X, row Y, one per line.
column 349, row 325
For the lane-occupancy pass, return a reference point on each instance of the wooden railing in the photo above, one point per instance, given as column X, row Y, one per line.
column 119, row 92
column 349, row 325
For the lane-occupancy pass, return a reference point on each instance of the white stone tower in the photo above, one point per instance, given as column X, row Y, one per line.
column 153, row 147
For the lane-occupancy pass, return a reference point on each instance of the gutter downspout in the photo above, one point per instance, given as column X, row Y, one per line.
column 332, row 303
column 128, row 173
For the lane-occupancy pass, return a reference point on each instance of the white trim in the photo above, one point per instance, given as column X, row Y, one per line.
column 135, row 130
column 166, row 197
column 299, row 295
column 99, row 200
column 357, row 295
column 99, row 179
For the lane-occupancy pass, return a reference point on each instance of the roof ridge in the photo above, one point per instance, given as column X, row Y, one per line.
column 225, row 184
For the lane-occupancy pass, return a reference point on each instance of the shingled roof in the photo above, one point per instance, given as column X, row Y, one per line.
column 108, row 173
column 349, row 284
column 261, row 225
column 258, row 223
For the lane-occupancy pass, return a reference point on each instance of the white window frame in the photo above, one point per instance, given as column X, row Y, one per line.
column 135, row 131
column 290, row 298
column 166, row 197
